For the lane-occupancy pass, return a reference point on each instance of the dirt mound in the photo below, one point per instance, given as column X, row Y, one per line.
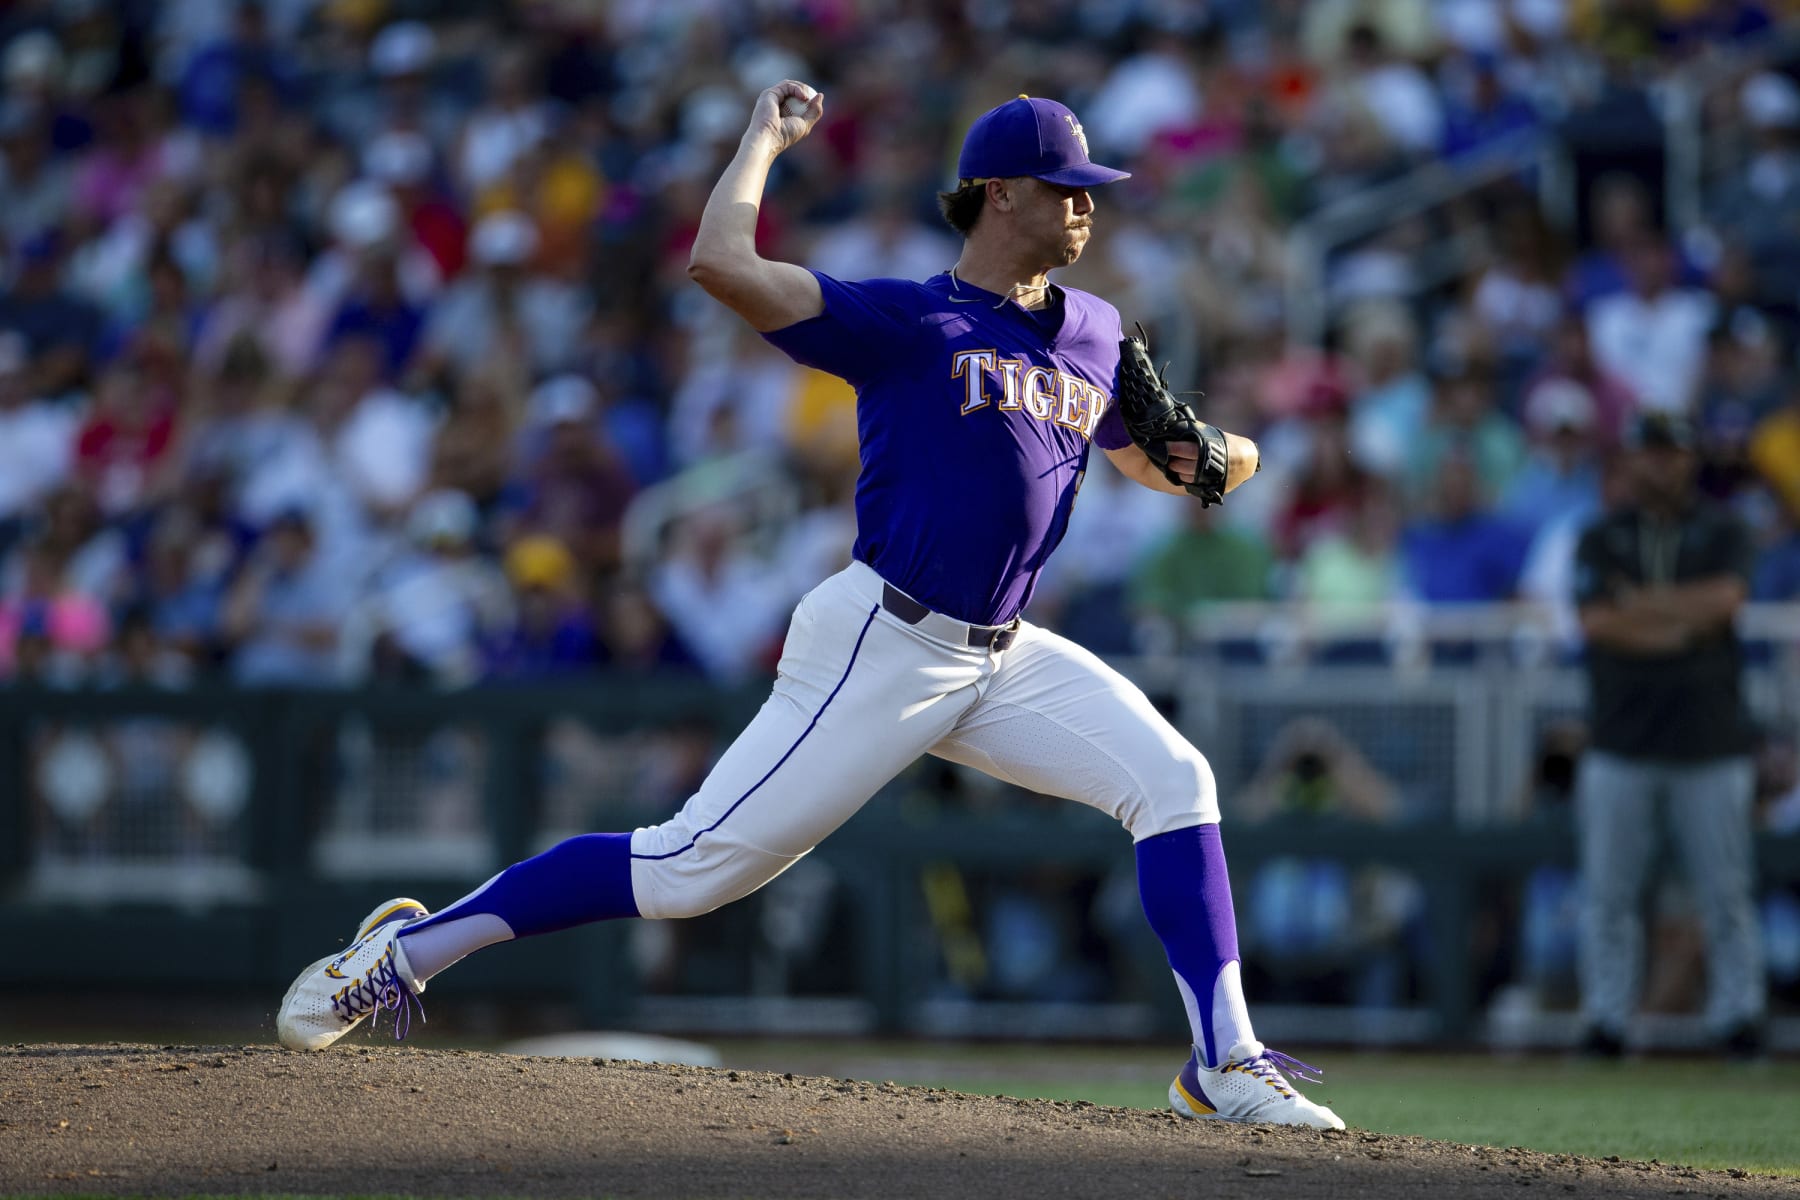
column 380, row 1119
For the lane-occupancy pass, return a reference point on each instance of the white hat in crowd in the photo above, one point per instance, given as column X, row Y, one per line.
column 504, row 239
column 31, row 58
column 445, row 515
column 1771, row 100
column 403, row 48
column 562, row 398
column 398, row 157
column 363, row 214
column 1559, row 404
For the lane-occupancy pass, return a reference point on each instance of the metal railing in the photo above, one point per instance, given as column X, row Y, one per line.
column 1313, row 240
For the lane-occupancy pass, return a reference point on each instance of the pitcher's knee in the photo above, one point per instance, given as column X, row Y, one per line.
column 700, row 878
column 1175, row 793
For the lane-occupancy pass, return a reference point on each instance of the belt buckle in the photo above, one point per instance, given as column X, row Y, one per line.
column 1003, row 637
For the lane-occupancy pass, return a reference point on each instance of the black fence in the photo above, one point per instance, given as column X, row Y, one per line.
column 150, row 839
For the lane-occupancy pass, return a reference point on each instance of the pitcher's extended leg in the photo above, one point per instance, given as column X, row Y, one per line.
column 859, row 696
column 849, row 710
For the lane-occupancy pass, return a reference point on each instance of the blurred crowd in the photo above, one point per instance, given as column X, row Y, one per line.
column 351, row 340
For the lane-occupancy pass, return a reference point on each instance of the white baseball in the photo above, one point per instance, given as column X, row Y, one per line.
column 794, row 106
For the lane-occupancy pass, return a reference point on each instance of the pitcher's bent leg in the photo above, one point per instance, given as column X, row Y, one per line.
column 1060, row 721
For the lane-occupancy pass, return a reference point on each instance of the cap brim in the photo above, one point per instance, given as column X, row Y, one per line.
column 1084, row 175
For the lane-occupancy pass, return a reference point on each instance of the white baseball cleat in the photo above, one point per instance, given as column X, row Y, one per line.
column 1249, row 1087
column 332, row 996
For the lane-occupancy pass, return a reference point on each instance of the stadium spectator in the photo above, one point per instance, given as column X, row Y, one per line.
column 1460, row 552
column 477, row 443
column 1569, row 356
column 1481, row 106
column 1775, row 451
column 1465, row 422
column 405, row 164
column 552, row 633
column 1392, row 397
column 265, row 302
column 181, row 587
column 1653, row 335
column 501, row 307
column 1741, row 386
column 375, row 306
column 430, row 610
column 636, row 637
column 124, row 447
column 50, row 632
column 1391, row 89
column 1202, row 561
column 285, row 613
column 37, row 439
column 38, row 185
column 1757, row 203
column 1517, row 300
column 1777, row 576
column 1349, row 575
column 1329, row 484
column 1560, row 477
column 61, row 330
column 721, row 599
column 573, row 485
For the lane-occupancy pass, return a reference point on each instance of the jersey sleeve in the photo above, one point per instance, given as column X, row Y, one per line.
column 866, row 327
column 1110, row 433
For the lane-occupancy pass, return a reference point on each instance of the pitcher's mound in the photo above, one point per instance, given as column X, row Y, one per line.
column 370, row 1119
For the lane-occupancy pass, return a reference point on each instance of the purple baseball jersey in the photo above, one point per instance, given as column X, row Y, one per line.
column 974, row 418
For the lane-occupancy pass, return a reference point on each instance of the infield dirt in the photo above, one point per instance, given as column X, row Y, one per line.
column 244, row 1120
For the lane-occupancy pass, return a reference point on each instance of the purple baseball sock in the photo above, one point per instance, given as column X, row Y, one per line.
column 583, row 879
column 1186, row 892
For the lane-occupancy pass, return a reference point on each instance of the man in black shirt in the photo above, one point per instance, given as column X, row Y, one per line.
column 1658, row 584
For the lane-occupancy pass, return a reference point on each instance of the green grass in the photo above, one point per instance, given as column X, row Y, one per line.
column 1699, row 1113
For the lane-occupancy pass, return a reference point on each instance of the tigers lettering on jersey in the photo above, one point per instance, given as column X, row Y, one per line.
column 1046, row 394
column 966, row 404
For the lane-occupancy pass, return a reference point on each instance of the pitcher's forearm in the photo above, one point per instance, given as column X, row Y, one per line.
column 727, row 233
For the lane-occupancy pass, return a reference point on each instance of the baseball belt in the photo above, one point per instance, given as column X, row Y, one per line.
column 992, row 637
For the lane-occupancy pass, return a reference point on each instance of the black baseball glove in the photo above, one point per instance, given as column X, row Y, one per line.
column 1155, row 417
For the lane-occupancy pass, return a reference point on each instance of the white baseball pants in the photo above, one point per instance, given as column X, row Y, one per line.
column 861, row 694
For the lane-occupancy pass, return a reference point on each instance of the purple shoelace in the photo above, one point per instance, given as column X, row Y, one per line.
column 1305, row 1072
column 381, row 989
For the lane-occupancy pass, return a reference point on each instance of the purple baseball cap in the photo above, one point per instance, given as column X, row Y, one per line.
column 1034, row 137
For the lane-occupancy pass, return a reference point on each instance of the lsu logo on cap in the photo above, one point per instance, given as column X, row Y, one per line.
column 1075, row 128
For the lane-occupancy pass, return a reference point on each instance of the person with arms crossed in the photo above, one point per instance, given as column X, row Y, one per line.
column 1658, row 584
column 979, row 392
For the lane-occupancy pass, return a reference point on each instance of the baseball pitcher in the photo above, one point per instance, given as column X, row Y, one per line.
column 979, row 393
